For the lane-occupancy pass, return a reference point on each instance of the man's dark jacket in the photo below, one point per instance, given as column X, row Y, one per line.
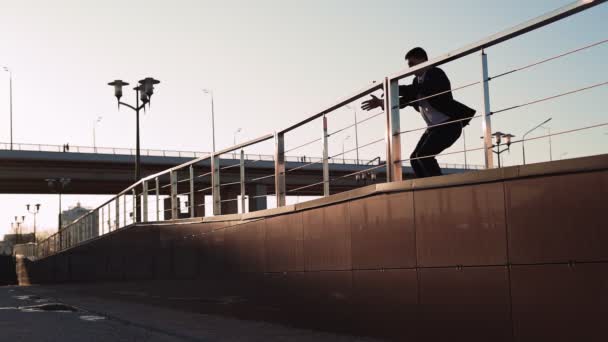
column 435, row 81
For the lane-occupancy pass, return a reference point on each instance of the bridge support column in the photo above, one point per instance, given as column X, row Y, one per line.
column 229, row 194
column 254, row 191
column 199, row 208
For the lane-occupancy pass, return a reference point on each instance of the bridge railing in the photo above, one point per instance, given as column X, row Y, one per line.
column 176, row 193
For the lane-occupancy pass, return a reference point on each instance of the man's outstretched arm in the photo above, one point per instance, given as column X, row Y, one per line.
column 406, row 95
column 372, row 103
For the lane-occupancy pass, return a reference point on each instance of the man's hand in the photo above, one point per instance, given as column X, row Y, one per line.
column 374, row 102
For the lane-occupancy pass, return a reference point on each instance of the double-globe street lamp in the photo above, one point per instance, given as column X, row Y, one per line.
column 143, row 92
column 34, row 211
column 58, row 185
column 498, row 136
column 16, row 226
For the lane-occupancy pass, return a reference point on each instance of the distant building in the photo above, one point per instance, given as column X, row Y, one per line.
column 72, row 214
column 76, row 212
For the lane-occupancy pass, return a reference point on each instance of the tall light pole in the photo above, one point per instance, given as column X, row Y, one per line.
column 498, row 136
column 98, row 120
column 16, row 225
column 523, row 139
column 356, row 131
column 33, row 212
column 343, row 140
column 10, row 87
column 550, row 144
column 58, row 185
column 143, row 91
column 208, row 91
column 234, row 135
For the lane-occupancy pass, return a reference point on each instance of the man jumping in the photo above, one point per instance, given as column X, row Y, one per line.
column 436, row 110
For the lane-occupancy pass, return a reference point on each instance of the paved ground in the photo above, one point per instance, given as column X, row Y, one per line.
column 24, row 317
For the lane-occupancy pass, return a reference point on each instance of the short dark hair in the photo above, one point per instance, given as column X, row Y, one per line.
column 417, row 53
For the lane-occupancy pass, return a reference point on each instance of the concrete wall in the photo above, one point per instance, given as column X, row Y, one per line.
column 513, row 254
column 8, row 275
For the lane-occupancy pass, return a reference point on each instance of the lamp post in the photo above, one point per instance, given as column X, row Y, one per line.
column 94, row 125
column 10, row 87
column 343, row 140
column 356, row 131
column 234, row 135
column 58, row 185
column 16, row 225
column 208, row 91
column 143, row 91
column 498, row 136
column 523, row 140
column 550, row 144
column 33, row 212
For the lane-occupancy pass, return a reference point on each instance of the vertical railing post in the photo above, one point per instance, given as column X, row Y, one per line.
column 215, row 185
column 109, row 218
column 157, row 198
column 393, row 131
column 279, row 168
column 124, row 209
column 117, row 208
column 102, row 220
column 192, row 204
column 325, row 159
column 144, row 200
column 486, row 122
column 134, row 214
column 174, row 209
column 242, row 180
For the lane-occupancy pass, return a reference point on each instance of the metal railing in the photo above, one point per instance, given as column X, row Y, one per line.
column 26, row 250
column 180, row 192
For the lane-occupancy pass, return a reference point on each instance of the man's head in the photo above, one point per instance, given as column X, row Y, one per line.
column 416, row 56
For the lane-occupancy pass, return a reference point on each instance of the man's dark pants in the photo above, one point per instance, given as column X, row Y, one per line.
column 434, row 141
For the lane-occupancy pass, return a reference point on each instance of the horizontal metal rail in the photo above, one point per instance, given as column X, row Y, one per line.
column 530, row 25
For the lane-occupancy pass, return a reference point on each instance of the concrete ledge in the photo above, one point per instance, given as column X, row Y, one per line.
column 269, row 212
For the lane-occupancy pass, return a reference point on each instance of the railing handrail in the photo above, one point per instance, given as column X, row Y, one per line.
column 340, row 103
column 510, row 33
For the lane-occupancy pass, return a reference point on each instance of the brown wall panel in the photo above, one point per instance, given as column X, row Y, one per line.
column 385, row 303
column 327, row 238
column 383, row 233
column 559, row 218
column 212, row 254
column 560, row 303
column 185, row 257
column 329, row 296
column 285, row 243
column 471, row 303
column 251, row 238
column 461, row 226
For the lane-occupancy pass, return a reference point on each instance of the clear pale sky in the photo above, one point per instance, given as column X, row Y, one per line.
column 273, row 63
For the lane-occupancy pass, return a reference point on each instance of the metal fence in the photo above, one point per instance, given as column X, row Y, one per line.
column 26, row 250
column 179, row 192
